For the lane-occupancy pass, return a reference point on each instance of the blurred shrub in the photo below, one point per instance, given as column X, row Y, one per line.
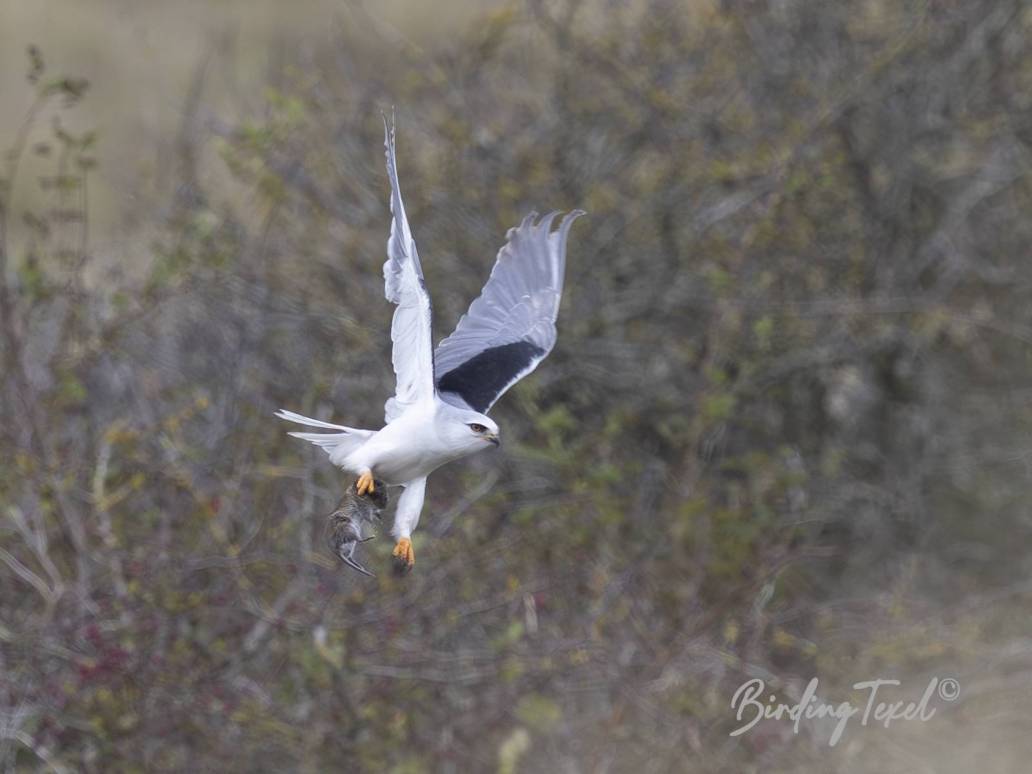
column 787, row 398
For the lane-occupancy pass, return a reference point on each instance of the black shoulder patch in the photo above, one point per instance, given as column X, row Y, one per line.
column 483, row 377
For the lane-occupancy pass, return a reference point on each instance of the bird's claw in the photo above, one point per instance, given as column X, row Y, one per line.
column 365, row 484
column 404, row 556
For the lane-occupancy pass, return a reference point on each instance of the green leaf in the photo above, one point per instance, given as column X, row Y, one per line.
column 539, row 712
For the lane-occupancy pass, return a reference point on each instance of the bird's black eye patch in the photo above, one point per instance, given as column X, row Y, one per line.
column 477, row 428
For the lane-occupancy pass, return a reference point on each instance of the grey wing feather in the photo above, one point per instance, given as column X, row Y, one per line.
column 510, row 327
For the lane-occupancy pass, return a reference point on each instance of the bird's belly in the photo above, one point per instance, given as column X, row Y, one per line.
column 403, row 451
column 403, row 465
column 395, row 459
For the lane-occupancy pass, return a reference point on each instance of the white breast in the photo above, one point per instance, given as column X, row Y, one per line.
column 408, row 448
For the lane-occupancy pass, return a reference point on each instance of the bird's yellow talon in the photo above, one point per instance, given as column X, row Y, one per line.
column 404, row 556
column 365, row 484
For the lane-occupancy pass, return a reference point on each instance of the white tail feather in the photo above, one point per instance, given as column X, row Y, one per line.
column 290, row 416
column 324, row 440
column 337, row 445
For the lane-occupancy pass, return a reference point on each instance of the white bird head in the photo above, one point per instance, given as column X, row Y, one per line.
column 468, row 431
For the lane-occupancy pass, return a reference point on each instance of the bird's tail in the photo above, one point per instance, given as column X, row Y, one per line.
column 337, row 445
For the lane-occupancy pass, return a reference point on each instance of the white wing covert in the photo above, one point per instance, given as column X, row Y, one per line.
column 510, row 327
column 404, row 285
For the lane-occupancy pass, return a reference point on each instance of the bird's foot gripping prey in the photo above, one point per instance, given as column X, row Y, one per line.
column 365, row 483
column 344, row 530
column 438, row 412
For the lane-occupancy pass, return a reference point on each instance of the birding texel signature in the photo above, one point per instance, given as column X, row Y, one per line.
column 751, row 707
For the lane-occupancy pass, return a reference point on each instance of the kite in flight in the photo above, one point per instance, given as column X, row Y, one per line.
column 439, row 409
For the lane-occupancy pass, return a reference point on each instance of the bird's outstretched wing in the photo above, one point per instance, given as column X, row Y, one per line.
column 404, row 286
column 510, row 327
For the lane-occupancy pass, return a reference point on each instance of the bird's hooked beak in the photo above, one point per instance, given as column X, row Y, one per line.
column 494, row 439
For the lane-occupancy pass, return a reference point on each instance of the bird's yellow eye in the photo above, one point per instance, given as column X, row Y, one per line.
column 477, row 428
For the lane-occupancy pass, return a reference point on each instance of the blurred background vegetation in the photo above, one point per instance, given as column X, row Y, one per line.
column 784, row 432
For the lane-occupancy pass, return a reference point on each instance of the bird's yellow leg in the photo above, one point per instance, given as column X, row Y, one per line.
column 403, row 554
column 365, row 483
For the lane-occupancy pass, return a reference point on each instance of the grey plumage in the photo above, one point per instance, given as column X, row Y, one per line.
column 344, row 525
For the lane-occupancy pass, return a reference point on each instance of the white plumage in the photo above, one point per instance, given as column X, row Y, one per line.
column 438, row 410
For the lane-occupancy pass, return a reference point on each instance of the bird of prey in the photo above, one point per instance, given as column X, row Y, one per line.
column 438, row 412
